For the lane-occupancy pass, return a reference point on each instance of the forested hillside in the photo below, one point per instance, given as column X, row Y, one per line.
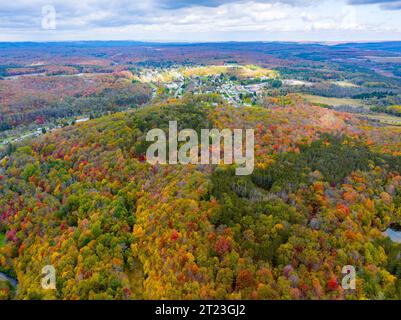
column 83, row 198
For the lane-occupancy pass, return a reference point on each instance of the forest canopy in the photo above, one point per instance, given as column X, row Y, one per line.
column 84, row 199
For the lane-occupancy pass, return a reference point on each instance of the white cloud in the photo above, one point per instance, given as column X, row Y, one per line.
column 183, row 20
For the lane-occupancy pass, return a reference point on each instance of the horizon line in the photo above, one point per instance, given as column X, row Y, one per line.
column 336, row 42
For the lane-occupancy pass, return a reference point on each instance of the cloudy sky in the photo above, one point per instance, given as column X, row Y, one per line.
column 202, row 20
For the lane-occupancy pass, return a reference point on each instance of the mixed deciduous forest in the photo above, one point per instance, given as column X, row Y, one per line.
column 81, row 197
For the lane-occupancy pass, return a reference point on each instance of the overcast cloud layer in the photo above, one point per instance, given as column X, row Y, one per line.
column 203, row 20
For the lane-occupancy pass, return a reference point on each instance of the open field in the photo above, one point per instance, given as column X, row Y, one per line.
column 384, row 118
column 345, row 84
column 335, row 102
column 248, row 71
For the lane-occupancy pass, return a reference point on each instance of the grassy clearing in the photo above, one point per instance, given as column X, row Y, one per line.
column 384, row 59
column 384, row 118
column 248, row 71
column 252, row 71
column 335, row 102
column 205, row 71
column 345, row 84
